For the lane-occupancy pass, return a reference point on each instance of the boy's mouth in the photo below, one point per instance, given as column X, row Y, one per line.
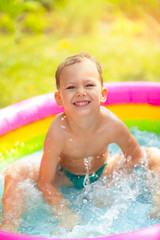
column 81, row 103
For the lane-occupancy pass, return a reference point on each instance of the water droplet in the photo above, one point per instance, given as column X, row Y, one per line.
column 70, row 139
column 62, row 126
column 49, row 192
column 85, row 201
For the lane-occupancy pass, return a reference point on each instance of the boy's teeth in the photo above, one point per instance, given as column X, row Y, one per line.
column 81, row 103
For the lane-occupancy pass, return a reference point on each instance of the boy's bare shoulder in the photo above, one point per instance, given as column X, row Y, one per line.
column 57, row 127
column 58, row 120
column 112, row 123
column 109, row 116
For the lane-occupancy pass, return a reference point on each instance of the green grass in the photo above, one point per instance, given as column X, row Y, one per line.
column 127, row 50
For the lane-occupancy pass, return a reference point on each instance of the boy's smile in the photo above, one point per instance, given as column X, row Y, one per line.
column 81, row 103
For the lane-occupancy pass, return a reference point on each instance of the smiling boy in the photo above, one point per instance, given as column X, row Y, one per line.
column 83, row 132
column 77, row 141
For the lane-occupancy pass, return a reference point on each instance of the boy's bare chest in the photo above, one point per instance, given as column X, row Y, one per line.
column 77, row 154
column 79, row 147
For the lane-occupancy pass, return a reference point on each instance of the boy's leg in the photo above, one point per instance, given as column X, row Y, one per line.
column 112, row 163
column 153, row 156
column 13, row 200
column 12, row 205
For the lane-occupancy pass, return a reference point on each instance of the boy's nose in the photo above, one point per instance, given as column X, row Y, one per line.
column 80, row 92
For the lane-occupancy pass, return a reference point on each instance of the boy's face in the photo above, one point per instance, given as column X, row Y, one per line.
column 80, row 88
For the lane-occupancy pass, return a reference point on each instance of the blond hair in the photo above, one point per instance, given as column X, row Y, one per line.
column 77, row 58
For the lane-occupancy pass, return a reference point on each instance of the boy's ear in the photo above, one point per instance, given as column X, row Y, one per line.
column 58, row 99
column 103, row 97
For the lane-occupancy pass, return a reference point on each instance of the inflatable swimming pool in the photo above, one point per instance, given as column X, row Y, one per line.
column 23, row 127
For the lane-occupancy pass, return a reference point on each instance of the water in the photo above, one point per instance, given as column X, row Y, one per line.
column 88, row 164
column 106, row 207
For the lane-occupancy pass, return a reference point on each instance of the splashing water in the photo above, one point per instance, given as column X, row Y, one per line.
column 106, row 208
column 87, row 163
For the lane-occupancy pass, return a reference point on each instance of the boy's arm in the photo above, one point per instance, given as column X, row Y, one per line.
column 53, row 146
column 133, row 153
column 46, row 183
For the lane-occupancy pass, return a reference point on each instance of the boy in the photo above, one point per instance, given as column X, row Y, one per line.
column 77, row 140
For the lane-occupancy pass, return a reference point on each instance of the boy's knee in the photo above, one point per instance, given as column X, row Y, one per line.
column 153, row 152
column 11, row 174
column 153, row 156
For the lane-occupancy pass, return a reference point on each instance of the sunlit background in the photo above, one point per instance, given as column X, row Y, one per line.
column 35, row 36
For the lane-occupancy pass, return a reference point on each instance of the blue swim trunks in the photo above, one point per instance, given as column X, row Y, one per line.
column 78, row 180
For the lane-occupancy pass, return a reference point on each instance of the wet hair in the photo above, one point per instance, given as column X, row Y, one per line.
column 77, row 58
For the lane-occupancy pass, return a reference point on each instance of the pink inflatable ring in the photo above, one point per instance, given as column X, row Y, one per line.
column 23, row 127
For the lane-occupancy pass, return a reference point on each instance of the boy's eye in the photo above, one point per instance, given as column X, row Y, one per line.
column 70, row 87
column 89, row 85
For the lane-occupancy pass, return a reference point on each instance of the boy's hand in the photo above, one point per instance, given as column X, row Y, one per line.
column 155, row 209
column 10, row 225
column 155, row 212
column 67, row 218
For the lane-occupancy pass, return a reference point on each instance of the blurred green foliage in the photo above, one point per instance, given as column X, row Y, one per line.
column 138, row 8
column 36, row 35
column 69, row 16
